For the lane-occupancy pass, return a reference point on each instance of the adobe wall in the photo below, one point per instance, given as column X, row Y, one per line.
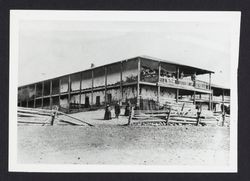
column 151, row 92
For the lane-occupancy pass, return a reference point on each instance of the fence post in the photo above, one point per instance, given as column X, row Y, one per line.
column 130, row 115
column 223, row 118
column 54, row 114
column 52, row 119
column 168, row 117
column 198, row 117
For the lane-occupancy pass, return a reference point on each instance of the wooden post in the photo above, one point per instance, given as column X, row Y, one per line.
column 35, row 97
column 168, row 116
column 52, row 119
column 138, row 82
column 60, row 82
column 177, row 78
column 121, row 90
column 130, row 115
column 69, row 90
column 177, row 95
column 54, row 115
column 210, row 94
column 223, row 108
column 158, row 95
column 50, row 95
column 158, row 86
column 177, row 73
column 42, row 92
column 105, row 96
column 159, row 72
column 92, row 87
column 80, row 92
column 198, row 117
column 194, row 99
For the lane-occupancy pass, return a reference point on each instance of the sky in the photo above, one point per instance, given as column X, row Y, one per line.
column 50, row 48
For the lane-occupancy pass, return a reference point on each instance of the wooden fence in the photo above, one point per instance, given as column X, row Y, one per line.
column 175, row 114
column 46, row 117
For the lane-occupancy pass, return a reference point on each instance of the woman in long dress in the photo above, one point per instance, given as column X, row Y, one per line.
column 107, row 115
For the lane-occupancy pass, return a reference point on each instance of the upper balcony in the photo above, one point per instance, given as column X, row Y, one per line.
column 184, row 83
column 175, row 76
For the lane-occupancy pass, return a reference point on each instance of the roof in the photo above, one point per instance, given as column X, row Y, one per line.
column 220, row 87
column 199, row 70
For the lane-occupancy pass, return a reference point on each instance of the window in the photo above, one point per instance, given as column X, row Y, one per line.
column 109, row 98
column 97, row 100
column 86, row 101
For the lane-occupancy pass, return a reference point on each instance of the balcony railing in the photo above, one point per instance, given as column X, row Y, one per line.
column 185, row 83
column 214, row 98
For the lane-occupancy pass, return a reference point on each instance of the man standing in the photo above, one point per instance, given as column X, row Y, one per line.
column 117, row 110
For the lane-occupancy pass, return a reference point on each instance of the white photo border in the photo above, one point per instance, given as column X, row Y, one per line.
column 171, row 16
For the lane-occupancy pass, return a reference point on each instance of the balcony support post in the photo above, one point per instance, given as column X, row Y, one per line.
column 35, row 97
column 210, row 94
column 80, row 92
column 42, row 93
column 50, row 97
column 158, row 86
column 69, row 90
column 194, row 97
column 177, row 95
column 138, row 82
column 223, row 108
column 121, row 98
column 92, row 87
column 105, row 94
column 60, row 83
column 177, row 81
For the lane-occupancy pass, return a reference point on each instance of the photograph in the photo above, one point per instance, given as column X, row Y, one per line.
column 123, row 91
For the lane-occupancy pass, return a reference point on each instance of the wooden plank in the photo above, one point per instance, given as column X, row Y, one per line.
column 35, row 109
column 182, row 122
column 30, row 115
column 36, row 113
column 184, row 119
column 32, row 122
column 75, row 118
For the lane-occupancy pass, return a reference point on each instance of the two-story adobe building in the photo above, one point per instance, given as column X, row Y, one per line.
column 145, row 81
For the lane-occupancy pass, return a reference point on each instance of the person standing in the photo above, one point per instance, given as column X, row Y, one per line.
column 131, row 113
column 107, row 115
column 127, row 108
column 117, row 110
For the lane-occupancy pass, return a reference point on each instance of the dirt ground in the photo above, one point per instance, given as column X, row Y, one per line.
column 108, row 142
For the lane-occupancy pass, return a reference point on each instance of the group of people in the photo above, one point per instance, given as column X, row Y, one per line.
column 117, row 108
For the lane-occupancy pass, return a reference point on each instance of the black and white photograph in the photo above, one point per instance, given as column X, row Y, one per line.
column 123, row 91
